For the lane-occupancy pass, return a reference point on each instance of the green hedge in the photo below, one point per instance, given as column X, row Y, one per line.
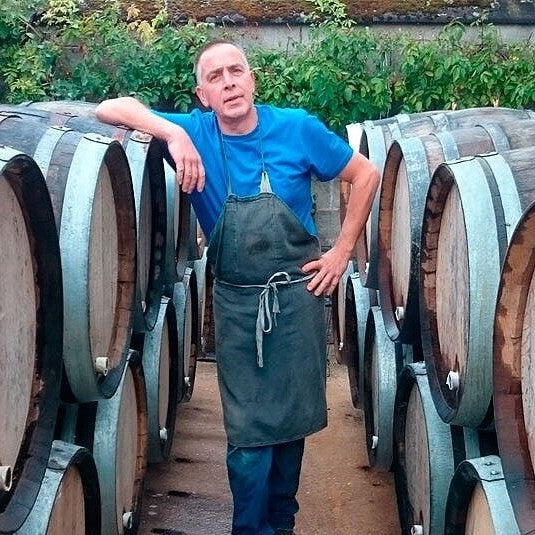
column 51, row 50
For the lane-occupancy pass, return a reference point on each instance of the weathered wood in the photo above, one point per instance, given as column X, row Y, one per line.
column 380, row 382
column 120, row 451
column 186, row 299
column 374, row 138
column 513, row 375
column 145, row 158
column 31, row 315
column 89, row 182
column 408, row 170
column 162, row 366
column 69, row 497
column 426, row 452
column 478, row 502
column 338, row 304
column 358, row 302
column 460, row 267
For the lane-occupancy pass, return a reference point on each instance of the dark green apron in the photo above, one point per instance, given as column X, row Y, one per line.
column 269, row 330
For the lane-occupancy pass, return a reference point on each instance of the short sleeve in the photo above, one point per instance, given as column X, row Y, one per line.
column 328, row 153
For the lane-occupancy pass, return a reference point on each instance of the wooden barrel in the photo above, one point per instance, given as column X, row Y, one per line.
column 374, row 141
column 162, row 365
column 380, row 380
column 513, row 369
column 461, row 259
column 338, row 304
column 478, row 502
column 426, row 453
column 204, row 280
column 186, row 299
column 409, row 167
column 69, row 498
column 120, row 451
column 358, row 302
column 145, row 159
column 178, row 232
column 88, row 179
column 31, row 313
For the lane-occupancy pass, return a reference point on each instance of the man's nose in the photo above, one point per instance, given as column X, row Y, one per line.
column 228, row 78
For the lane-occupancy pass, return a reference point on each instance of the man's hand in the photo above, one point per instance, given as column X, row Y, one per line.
column 132, row 113
column 329, row 267
column 364, row 179
column 190, row 173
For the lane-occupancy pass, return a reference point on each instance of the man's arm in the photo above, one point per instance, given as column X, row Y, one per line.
column 364, row 179
column 132, row 113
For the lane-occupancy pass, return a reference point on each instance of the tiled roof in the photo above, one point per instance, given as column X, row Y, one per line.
column 231, row 12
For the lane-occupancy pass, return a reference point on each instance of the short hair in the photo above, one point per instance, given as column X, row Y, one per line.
column 208, row 46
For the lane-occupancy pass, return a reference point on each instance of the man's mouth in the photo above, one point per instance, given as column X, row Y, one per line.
column 232, row 99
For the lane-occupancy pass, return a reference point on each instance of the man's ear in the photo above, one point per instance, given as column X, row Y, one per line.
column 201, row 96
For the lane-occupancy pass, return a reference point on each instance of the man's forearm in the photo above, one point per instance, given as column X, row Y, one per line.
column 133, row 114
column 130, row 112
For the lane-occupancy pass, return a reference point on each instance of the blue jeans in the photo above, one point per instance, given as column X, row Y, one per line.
column 264, row 482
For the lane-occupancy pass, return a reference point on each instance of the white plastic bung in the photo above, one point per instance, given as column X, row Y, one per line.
column 5, row 478
column 452, row 381
column 101, row 365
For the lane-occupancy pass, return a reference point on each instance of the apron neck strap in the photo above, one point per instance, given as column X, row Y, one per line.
column 265, row 184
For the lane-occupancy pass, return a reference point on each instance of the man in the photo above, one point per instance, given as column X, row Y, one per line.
column 248, row 169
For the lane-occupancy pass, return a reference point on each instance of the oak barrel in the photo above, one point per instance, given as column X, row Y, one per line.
column 513, row 369
column 338, row 304
column 178, row 230
column 358, row 301
column 88, row 178
column 68, row 502
column 185, row 299
column 145, row 159
column 162, row 367
column 471, row 209
column 120, row 451
column 380, row 381
column 426, row 453
column 409, row 167
column 374, row 141
column 31, row 326
column 478, row 502
column 204, row 280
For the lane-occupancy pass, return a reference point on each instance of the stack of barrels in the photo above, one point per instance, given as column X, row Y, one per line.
column 435, row 315
column 102, row 286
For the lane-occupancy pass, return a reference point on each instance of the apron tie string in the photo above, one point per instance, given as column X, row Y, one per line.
column 267, row 317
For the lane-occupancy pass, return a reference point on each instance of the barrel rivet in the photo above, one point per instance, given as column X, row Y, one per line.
column 494, row 473
column 163, row 434
column 488, row 463
column 6, row 479
column 452, row 381
column 187, row 382
column 367, row 267
column 340, row 346
column 375, row 442
column 399, row 313
column 128, row 519
column 417, row 529
column 143, row 306
column 101, row 365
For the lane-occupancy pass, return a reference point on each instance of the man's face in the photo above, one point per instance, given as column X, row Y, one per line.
column 227, row 84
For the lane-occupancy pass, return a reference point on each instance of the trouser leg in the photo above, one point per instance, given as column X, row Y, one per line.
column 283, row 484
column 248, row 472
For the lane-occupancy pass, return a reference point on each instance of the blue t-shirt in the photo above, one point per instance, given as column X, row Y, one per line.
column 294, row 145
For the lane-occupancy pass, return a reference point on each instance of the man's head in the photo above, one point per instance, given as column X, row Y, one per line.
column 226, row 84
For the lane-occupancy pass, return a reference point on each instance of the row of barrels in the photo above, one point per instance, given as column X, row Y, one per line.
column 434, row 317
column 102, row 296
